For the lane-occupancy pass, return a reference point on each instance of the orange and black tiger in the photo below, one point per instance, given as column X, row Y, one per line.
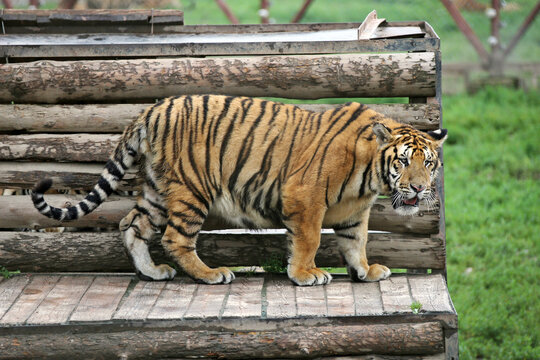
column 260, row 163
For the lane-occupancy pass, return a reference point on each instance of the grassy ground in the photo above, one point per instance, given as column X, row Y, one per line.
column 492, row 173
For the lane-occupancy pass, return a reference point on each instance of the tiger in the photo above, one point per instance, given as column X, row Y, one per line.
column 260, row 163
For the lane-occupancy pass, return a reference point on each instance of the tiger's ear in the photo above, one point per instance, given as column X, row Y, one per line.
column 383, row 134
column 439, row 136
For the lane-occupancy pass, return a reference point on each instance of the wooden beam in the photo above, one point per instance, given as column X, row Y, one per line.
column 18, row 212
column 113, row 118
column 347, row 75
column 104, row 252
column 86, row 21
column 59, row 46
column 137, row 341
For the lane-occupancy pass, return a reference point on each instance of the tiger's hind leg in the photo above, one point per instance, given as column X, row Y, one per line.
column 186, row 217
column 137, row 228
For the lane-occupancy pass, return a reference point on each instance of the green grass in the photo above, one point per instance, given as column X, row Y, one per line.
column 492, row 173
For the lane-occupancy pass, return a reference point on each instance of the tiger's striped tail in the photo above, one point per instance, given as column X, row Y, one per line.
column 124, row 156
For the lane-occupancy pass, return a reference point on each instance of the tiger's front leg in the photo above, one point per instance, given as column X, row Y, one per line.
column 352, row 240
column 138, row 227
column 304, row 230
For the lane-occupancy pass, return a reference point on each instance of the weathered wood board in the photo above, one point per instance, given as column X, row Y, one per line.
column 102, row 252
column 346, row 75
column 253, row 315
column 113, row 118
column 18, row 212
column 60, row 21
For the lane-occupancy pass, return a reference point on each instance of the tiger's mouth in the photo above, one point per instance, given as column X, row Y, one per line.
column 405, row 206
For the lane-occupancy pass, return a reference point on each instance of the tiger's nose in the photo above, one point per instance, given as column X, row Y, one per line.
column 418, row 188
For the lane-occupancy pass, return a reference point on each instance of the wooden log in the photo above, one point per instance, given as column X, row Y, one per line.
column 18, row 212
column 61, row 148
column 134, row 342
column 61, row 21
column 104, row 252
column 24, row 175
column 113, row 118
column 347, row 75
column 65, row 147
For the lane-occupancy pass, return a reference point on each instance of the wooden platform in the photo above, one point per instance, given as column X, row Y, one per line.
column 48, row 316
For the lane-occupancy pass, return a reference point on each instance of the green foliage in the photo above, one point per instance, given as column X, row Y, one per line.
column 274, row 264
column 492, row 172
column 415, row 307
column 6, row 274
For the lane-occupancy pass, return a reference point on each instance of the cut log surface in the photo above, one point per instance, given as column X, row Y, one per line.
column 72, row 315
column 113, row 118
column 347, row 75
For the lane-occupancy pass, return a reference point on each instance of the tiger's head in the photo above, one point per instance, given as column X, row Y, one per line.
column 408, row 164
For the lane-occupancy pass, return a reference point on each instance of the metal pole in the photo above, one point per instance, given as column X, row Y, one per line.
column 301, row 12
column 496, row 59
column 264, row 13
column 223, row 6
column 528, row 21
column 466, row 30
column 7, row 4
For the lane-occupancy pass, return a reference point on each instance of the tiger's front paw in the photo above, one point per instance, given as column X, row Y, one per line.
column 308, row 277
column 221, row 275
column 375, row 272
column 157, row 273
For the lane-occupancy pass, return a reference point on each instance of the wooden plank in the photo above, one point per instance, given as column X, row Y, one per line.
column 244, row 298
column 124, row 16
column 89, row 21
column 60, row 148
column 104, row 252
column 108, row 215
column 23, row 53
column 369, row 26
column 64, row 175
column 430, row 291
column 61, row 300
column 101, row 299
column 311, row 301
column 352, row 75
column 256, row 28
column 17, row 211
column 113, row 118
column 367, row 299
column 10, row 289
column 207, row 302
column 340, row 298
column 396, row 296
column 234, row 341
column 205, row 40
column 29, row 299
column 174, row 300
column 280, row 298
column 140, row 301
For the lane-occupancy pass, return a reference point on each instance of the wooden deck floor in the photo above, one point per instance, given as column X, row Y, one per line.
column 66, row 299
column 44, row 308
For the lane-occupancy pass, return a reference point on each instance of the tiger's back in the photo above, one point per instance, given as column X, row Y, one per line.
column 237, row 153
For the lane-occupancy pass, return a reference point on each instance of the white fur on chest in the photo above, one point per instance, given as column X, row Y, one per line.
column 225, row 207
